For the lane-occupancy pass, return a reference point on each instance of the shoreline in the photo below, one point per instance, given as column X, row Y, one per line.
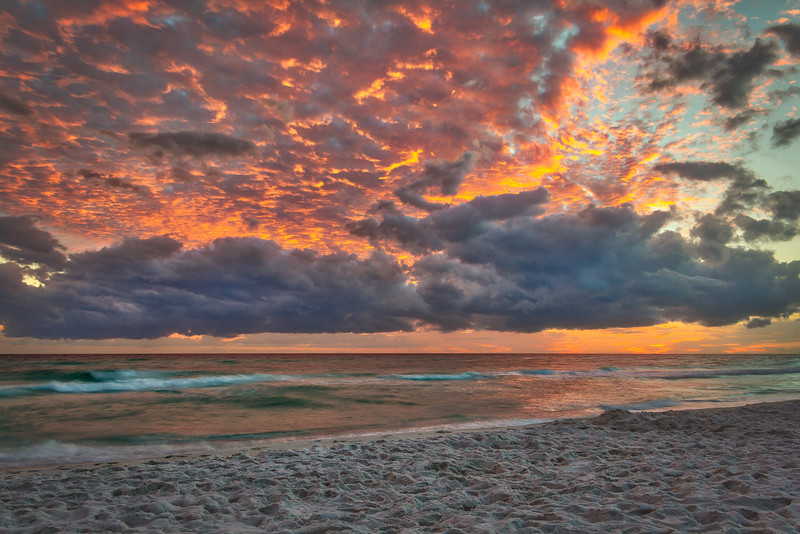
column 227, row 448
column 690, row 470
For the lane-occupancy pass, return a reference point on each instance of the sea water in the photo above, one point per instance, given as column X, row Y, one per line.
column 57, row 409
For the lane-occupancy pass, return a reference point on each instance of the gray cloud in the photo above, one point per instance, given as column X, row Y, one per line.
column 755, row 229
column 758, row 322
column 785, row 132
column 599, row 268
column 22, row 242
column 445, row 177
column 744, row 191
column 455, row 222
column 785, row 223
column 734, row 121
column 149, row 288
column 14, row 105
column 790, row 35
column 192, row 143
column 499, row 264
column 784, row 204
column 729, row 76
column 702, row 171
column 713, row 233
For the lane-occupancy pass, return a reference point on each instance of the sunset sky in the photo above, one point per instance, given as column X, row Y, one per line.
column 490, row 175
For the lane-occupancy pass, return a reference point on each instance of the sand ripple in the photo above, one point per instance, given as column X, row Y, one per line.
column 729, row 470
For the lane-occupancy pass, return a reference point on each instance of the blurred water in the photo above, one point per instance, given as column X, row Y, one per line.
column 56, row 409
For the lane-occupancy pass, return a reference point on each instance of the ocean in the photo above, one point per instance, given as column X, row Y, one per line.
column 60, row 409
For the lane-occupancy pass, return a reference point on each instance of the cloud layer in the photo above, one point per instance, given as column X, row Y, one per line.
column 235, row 167
column 490, row 264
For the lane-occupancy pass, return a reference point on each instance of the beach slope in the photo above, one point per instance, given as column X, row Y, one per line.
column 731, row 469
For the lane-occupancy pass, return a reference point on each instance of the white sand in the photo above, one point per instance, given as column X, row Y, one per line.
column 728, row 470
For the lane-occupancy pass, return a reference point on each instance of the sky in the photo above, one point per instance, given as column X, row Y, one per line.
column 478, row 176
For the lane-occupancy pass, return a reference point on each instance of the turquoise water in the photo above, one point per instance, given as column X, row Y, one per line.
column 60, row 409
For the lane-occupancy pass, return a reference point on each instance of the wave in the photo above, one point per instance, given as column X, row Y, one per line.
column 122, row 381
column 468, row 375
column 116, row 375
column 664, row 374
column 720, row 373
column 536, row 372
column 131, row 380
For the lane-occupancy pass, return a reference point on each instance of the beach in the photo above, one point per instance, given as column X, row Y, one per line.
column 723, row 469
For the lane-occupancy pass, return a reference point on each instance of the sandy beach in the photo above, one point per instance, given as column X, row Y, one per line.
column 719, row 470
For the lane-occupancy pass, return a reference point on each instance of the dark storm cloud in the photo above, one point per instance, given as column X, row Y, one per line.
column 729, row 76
column 499, row 266
column 14, row 105
column 148, row 289
column 785, row 132
column 599, row 268
column 22, row 242
column 193, row 143
column 790, row 35
column 452, row 223
column 713, row 233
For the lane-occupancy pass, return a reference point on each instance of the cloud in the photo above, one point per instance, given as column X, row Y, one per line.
column 758, row 322
column 362, row 126
column 14, row 105
column 602, row 267
column 734, row 121
column 597, row 268
column 755, row 229
column 713, row 233
column 22, row 242
column 455, row 222
column 784, row 204
column 729, row 76
column 109, row 180
column 744, row 191
column 785, row 132
column 785, row 223
column 702, row 171
column 150, row 288
column 193, row 143
column 501, row 265
column 790, row 35
column 446, row 177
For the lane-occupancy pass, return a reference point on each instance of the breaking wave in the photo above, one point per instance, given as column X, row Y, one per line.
column 121, row 381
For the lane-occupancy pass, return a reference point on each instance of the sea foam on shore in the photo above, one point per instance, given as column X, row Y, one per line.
column 731, row 469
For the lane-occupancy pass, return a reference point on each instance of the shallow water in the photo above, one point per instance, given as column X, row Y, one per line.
column 57, row 409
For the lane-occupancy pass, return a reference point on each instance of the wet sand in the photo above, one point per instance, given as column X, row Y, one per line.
column 728, row 469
